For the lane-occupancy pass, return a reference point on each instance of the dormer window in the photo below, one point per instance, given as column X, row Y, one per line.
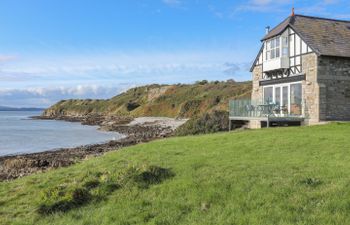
column 273, row 48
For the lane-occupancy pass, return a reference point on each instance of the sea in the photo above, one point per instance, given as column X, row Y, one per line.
column 19, row 134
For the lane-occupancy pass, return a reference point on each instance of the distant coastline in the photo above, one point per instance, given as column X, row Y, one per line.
column 6, row 108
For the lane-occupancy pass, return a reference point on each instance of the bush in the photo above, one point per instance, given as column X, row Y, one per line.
column 62, row 199
column 145, row 176
column 132, row 106
column 91, row 184
column 203, row 82
column 152, row 175
column 208, row 123
column 190, row 107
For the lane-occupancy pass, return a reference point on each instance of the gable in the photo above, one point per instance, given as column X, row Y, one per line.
column 258, row 59
column 296, row 47
column 325, row 36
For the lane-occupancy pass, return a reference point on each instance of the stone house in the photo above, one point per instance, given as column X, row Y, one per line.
column 301, row 75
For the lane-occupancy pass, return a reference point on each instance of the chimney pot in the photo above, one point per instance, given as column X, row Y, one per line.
column 267, row 29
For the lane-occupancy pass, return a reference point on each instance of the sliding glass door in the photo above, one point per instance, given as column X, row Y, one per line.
column 281, row 99
column 296, row 99
column 287, row 97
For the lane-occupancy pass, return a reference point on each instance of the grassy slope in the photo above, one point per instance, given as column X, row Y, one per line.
column 271, row 176
column 161, row 100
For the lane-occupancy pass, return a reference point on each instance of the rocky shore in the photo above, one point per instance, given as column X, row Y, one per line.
column 136, row 130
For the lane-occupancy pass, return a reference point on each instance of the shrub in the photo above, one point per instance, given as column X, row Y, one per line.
column 152, row 175
column 203, row 82
column 132, row 106
column 91, row 184
column 208, row 123
column 190, row 107
column 144, row 176
column 231, row 81
column 62, row 199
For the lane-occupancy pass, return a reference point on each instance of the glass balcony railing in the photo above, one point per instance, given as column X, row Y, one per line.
column 247, row 108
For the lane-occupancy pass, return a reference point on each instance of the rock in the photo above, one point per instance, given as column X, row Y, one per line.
column 12, row 167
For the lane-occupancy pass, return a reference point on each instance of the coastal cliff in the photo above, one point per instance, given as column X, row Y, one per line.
column 176, row 101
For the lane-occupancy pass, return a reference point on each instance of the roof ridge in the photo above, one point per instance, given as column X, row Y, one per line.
column 288, row 18
column 322, row 18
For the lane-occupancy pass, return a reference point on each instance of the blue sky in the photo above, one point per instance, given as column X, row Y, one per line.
column 59, row 49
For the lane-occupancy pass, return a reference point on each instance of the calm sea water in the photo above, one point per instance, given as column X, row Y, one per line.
column 19, row 134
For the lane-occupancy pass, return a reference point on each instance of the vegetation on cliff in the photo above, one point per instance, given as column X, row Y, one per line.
column 294, row 175
column 181, row 100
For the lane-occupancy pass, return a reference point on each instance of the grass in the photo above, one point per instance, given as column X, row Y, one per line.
column 271, row 176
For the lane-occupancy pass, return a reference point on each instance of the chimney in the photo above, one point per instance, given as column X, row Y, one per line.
column 293, row 13
column 267, row 29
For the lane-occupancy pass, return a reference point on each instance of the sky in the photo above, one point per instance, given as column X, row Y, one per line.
column 61, row 49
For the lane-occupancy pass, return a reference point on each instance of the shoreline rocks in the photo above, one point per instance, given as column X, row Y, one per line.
column 12, row 167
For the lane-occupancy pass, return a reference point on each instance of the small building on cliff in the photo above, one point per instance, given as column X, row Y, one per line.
column 301, row 75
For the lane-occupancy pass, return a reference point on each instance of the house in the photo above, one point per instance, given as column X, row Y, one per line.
column 301, row 75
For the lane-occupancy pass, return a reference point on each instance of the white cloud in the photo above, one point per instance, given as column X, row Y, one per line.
column 7, row 58
column 263, row 6
column 118, row 67
column 32, row 79
column 323, row 8
column 46, row 96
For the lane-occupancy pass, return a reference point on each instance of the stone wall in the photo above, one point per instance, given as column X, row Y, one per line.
column 311, row 89
column 254, row 124
column 257, row 92
column 334, row 81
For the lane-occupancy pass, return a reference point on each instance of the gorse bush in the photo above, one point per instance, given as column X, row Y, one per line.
column 207, row 123
column 97, row 187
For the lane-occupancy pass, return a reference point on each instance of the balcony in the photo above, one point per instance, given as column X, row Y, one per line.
column 248, row 110
column 276, row 64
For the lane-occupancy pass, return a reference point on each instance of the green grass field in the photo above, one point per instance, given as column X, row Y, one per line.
column 271, row 176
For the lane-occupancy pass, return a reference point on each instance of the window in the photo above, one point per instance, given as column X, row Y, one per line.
column 296, row 99
column 285, row 48
column 287, row 96
column 273, row 48
column 268, row 95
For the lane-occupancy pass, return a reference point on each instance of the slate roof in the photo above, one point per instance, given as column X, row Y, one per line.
column 325, row 36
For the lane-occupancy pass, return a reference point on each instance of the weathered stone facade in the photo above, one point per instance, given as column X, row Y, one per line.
column 306, row 50
column 325, row 90
column 334, row 80
column 311, row 89
column 257, row 92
